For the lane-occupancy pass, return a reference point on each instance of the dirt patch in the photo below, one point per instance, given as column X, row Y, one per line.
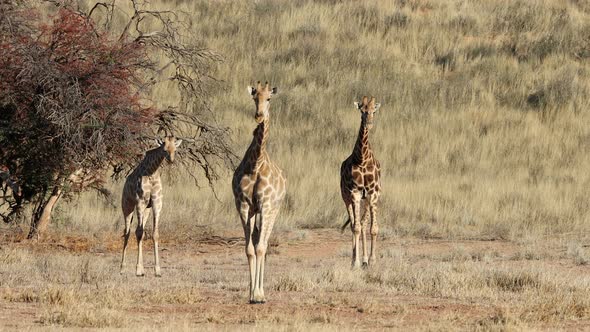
column 309, row 284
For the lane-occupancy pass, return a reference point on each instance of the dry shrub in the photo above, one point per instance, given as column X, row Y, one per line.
column 422, row 5
column 500, row 320
column 12, row 256
column 553, row 307
column 26, row 295
column 82, row 316
column 513, row 281
column 59, row 296
column 398, row 19
column 181, row 294
column 75, row 100
column 578, row 254
column 340, row 278
column 497, row 231
column 52, row 295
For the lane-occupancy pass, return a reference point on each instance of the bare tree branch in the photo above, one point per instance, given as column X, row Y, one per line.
column 75, row 99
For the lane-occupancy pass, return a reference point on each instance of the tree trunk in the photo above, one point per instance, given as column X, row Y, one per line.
column 42, row 214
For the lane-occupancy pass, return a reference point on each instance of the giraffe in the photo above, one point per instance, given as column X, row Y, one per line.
column 259, row 186
column 359, row 183
column 142, row 190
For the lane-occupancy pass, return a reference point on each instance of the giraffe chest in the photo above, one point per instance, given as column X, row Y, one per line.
column 264, row 186
column 363, row 178
column 143, row 187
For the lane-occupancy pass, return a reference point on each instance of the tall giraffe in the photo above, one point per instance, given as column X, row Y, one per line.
column 142, row 190
column 259, row 187
column 359, row 182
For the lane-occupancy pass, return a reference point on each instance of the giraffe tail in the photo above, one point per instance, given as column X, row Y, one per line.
column 344, row 226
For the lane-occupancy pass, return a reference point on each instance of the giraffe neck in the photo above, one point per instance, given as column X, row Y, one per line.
column 257, row 150
column 362, row 148
column 152, row 161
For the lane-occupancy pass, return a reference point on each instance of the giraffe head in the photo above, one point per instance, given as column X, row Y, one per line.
column 368, row 109
column 169, row 145
column 261, row 96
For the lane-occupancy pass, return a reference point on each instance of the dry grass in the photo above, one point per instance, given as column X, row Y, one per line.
column 477, row 285
column 482, row 135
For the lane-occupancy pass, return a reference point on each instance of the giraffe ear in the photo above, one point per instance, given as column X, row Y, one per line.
column 159, row 142
column 357, row 105
column 177, row 143
column 274, row 91
column 377, row 105
column 251, row 90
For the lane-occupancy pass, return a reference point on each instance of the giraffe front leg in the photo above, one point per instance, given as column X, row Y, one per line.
column 139, row 232
column 248, row 225
column 259, row 287
column 128, row 216
column 156, row 207
column 374, row 229
column 265, row 226
column 364, row 234
column 260, row 251
column 356, row 230
column 350, row 210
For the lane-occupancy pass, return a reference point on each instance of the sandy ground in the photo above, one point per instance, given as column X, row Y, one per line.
column 215, row 269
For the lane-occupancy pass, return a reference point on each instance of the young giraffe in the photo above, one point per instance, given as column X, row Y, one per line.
column 142, row 190
column 259, row 187
column 359, row 181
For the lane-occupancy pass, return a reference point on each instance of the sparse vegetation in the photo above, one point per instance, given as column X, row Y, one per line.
column 484, row 141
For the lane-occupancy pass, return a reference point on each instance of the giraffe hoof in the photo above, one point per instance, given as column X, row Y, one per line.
column 258, row 298
column 365, row 265
column 140, row 274
column 158, row 275
column 261, row 301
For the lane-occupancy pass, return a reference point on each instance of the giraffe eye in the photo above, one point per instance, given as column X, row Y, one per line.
column 268, row 99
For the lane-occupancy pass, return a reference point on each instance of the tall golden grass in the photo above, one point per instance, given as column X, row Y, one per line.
column 483, row 131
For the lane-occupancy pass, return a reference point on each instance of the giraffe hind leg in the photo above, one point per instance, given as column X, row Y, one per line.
column 156, row 207
column 128, row 216
column 142, row 215
column 350, row 210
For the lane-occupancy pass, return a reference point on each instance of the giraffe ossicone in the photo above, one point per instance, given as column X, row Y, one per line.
column 259, row 186
column 360, row 186
column 143, row 190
